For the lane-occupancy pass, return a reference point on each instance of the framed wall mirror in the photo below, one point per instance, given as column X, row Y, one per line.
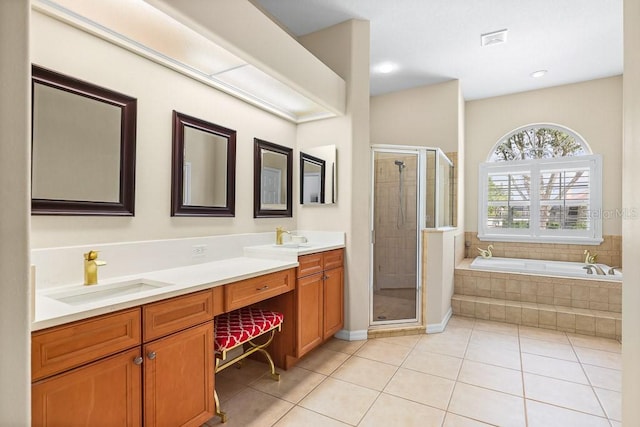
column 318, row 175
column 83, row 147
column 272, row 188
column 203, row 173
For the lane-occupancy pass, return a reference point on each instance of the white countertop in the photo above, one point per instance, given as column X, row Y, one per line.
column 257, row 260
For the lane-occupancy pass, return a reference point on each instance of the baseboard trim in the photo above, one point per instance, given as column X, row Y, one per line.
column 435, row 328
column 346, row 335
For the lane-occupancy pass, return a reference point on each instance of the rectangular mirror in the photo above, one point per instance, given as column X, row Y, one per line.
column 318, row 175
column 83, row 147
column 204, row 168
column 273, row 165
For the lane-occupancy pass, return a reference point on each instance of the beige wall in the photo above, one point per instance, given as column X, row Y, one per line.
column 345, row 49
column 424, row 116
column 631, row 225
column 593, row 109
column 15, row 122
column 159, row 91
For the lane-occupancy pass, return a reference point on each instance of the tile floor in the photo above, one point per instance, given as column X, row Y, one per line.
column 476, row 373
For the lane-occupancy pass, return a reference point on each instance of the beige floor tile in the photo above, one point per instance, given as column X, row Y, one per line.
column 493, row 356
column 543, row 334
column 404, row 341
column 461, row 322
column 615, row 423
column 303, row 417
column 597, row 343
column 507, row 342
column 547, row 348
column 555, row 368
column 294, row 384
column 433, row 363
column 232, row 380
column 422, row 388
column 252, row 408
column 610, row 379
column 612, row 403
column 543, row 415
column 492, row 377
column 605, row 359
column 453, row 420
column 343, row 346
column 383, row 352
column 340, row 400
column 448, row 343
column 562, row 393
column 365, row 372
column 323, row 361
column 497, row 327
column 392, row 410
column 488, row 406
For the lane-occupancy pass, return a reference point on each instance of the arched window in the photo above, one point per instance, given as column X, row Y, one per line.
column 541, row 183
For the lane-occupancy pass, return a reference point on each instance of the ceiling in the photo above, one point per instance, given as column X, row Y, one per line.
column 432, row 41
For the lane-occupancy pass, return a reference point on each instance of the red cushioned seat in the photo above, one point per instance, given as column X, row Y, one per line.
column 242, row 325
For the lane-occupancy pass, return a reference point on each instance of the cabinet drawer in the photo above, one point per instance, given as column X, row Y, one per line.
column 333, row 259
column 63, row 347
column 166, row 317
column 250, row 291
column 310, row 264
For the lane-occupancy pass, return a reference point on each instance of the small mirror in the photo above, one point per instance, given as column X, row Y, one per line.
column 273, row 165
column 204, row 168
column 318, row 175
column 83, row 147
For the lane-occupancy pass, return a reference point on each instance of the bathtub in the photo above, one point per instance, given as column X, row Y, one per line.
column 547, row 268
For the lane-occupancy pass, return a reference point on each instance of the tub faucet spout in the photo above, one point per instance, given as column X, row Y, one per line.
column 591, row 267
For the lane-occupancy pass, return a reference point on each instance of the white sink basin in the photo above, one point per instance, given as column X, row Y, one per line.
column 93, row 293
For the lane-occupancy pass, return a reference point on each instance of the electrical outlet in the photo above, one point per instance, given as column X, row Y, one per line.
column 198, row 251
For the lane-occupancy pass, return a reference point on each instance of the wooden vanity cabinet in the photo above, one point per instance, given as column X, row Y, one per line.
column 151, row 365
column 319, row 299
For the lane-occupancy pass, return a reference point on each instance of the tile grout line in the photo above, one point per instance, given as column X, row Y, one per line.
column 524, row 394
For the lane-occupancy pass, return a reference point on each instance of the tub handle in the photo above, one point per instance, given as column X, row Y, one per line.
column 612, row 270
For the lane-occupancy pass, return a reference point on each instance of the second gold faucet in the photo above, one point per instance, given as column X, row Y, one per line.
column 91, row 264
column 279, row 233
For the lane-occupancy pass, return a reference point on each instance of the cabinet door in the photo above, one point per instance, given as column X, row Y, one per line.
column 178, row 378
column 309, row 313
column 333, row 301
column 105, row 393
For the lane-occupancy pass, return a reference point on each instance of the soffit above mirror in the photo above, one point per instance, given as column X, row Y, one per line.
column 189, row 44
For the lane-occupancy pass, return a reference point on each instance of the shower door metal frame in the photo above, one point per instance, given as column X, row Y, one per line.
column 421, row 179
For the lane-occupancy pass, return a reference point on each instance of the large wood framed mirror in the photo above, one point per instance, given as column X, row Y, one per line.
column 203, row 168
column 273, row 183
column 83, row 147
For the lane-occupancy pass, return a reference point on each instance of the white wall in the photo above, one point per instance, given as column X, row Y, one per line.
column 159, row 91
column 15, row 122
column 345, row 49
column 631, row 225
column 593, row 109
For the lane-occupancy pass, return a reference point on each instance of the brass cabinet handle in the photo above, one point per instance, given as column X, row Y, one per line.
column 151, row 355
column 262, row 288
column 138, row 360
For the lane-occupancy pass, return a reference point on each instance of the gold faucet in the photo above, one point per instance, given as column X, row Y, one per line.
column 279, row 232
column 91, row 265
column 590, row 259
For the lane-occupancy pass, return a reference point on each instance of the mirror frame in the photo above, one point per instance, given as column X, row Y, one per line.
column 178, row 208
column 258, row 211
column 304, row 157
column 125, row 206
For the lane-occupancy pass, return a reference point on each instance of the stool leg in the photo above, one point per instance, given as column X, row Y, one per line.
column 222, row 415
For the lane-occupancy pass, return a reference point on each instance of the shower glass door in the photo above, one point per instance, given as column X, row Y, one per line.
column 395, row 293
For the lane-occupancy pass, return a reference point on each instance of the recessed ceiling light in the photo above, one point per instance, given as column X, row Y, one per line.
column 538, row 74
column 385, row 67
column 493, row 38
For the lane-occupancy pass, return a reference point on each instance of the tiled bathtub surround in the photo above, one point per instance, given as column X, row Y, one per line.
column 609, row 251
column 591, row 307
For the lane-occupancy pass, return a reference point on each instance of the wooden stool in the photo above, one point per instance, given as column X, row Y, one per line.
column 239, row 327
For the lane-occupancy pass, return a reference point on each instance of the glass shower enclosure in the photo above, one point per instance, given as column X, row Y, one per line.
column 411, row 190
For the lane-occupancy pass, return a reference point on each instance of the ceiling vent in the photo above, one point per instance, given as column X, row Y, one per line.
column 494, row 38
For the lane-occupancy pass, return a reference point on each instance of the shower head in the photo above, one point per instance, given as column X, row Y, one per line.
column 400, row 164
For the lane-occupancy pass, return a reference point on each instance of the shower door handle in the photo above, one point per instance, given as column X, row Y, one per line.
column 373, row 237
